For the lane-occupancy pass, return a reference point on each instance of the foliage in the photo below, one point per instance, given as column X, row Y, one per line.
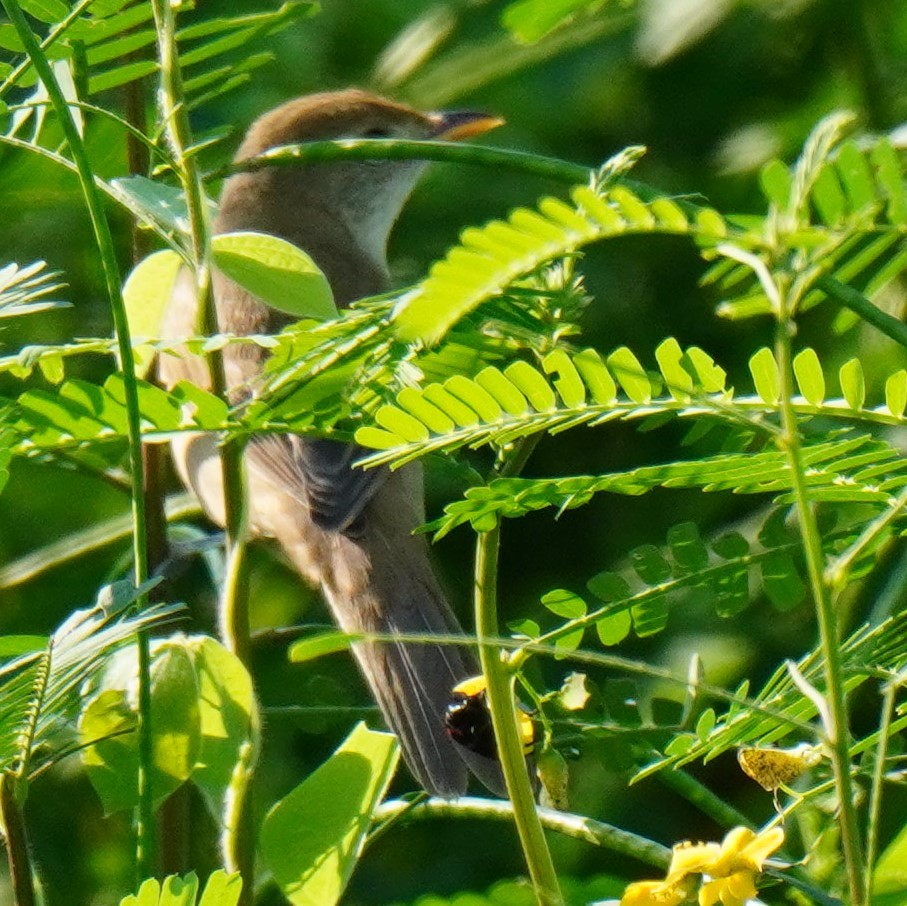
column 220, row 890
column 41, row 685
column 789, row 443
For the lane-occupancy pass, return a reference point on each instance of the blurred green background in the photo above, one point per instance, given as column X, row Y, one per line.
column 713, row 88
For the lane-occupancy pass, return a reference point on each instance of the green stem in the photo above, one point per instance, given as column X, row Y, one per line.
column 53, row 36
column 878, row 782
column 240, row 840
column 397, row 149
column 837, row 729
column 16, row 841
column 502, row 704
column 234, row 610
column 859, row 304
column 107, row 254
column 838, row 570
column 576, row 826
column 703, row 798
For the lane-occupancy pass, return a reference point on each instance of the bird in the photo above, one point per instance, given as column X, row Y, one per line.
column 346, row 531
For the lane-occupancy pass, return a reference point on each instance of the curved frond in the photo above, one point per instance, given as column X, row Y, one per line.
column 728, row 571
column 38, row 690
column 852, row 468
column 97, row 42
column 220, row 889
column 490, row 258
column 498, row 406
column 24, row 290
column 841, row 209
column 864, row 653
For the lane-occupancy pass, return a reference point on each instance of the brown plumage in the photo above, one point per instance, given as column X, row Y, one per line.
column 347, row 531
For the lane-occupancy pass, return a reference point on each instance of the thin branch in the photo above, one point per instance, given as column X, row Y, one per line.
column 878, row 782
column 397, row 149
column 576, row 826
column 860, row 305
column 836, row 729
column 502, row 704
column 16, row 840
column 108, row 258
column 240, row 839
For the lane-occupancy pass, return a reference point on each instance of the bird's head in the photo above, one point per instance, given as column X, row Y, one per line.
column 361, row 198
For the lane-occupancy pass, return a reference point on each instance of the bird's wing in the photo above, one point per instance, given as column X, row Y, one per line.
column 320, row 474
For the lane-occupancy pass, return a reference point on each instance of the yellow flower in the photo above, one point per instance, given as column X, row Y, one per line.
column 734, row 890
column 655, row 893
column 730, row 866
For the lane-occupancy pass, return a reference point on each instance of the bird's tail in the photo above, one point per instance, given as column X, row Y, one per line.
column 381, row 583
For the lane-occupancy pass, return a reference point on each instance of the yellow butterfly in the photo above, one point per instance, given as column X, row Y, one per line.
column 773, row 768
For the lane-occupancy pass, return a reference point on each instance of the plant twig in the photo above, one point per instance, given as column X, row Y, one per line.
column 878, row 781
column 860, row 305
column 836, row 730
column 397, row 149
column 502, row 704
column 16, row 841
column 576, row 826
column 107, row 255
column 240, row 845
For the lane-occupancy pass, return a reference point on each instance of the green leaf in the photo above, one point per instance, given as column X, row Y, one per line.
column 147, row 293
column 775, row 179
column 678, row 380
column 597, row 377
column 781, row 581
column 490, row 259
column 16, row 645
column 706, row 724
column 530, row 20
column 155, row 203
column 856, row 176
column 568, row 382
column 204, row 723
column 896, row 393
column 275, row 271
column 532, row 385
column 221, row 890
column 564, row 603
column 764, row 370
column 890, row 179
column 615, row 627
column 687, row 547
column 650, row 564
column 228, row 721
column 828, row 196
column 890, row 873
column 853, row 384
column 111, row 754
column 318, row 645
column 630, row 375
column 47, row 11
column 312, row 838
column 810, row 378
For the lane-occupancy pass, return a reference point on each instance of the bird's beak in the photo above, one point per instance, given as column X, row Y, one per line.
column 460, row 125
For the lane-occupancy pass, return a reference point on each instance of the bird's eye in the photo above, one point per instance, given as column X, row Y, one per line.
column 376, row 132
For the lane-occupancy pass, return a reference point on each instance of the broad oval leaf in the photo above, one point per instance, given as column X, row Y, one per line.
column 312, row 838
column 630, row 375
column 766, row 378
column 853, row 384
column 146, row 293
column 896, row 393
column 810, row 378
column 278, row 273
